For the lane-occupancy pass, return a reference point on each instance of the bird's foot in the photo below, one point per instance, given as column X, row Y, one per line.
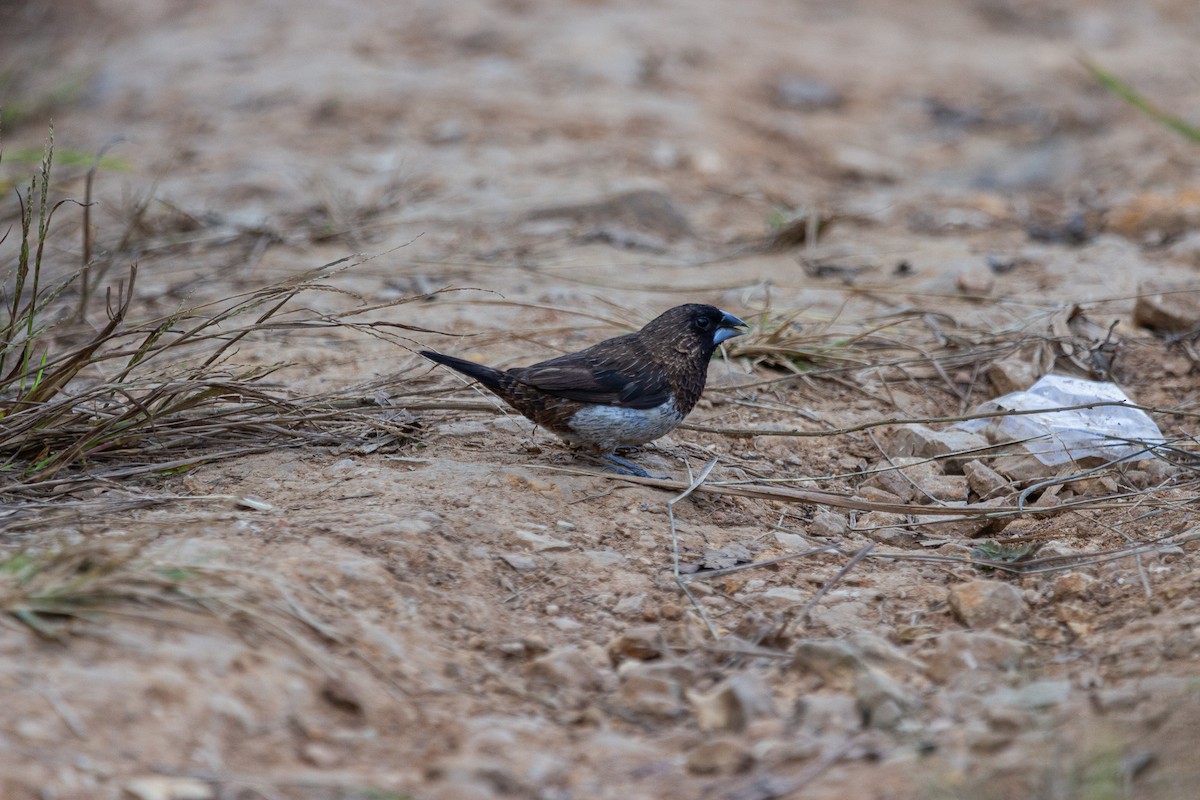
column 623, row 466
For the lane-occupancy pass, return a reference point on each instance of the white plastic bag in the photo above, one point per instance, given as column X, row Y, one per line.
column 1109, row 432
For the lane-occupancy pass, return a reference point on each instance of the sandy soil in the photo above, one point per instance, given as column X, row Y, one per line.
column 478, row 620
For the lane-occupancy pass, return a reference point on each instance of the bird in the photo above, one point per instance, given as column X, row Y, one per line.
column 620, row 393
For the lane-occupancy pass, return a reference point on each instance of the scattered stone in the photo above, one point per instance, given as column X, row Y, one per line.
column 792, row 541
column 720, row 756
column 946, row 488
column 826, row 714
column 924, row 442
column 645, row 210
column 157, row 787
column 733, row 703
column 788, row 594
column 805, row 94
column 835, row 661
column 725, row 557
column 632, row 606
column 461, row 789
column 963, row 651
column 890, row 480
column 1138, row 479
column 984, row 481
column 1156, row 217
column 885, row 528
column 603, row 558
column 519, row 562
column 320, row 755
column 1163, row 310
column 1073, row 584
column 1158, row 470
column 511, row 754
column 1024, row 469
column 882, row 701
column 514, row 649
column 858, row 163
column 1187, row 249
column 649, row 692
column 341, row 695
column 1012, row 374
column 1039, row 694
column 567, row 624
column 539, row 543
column 461, row 429
column 828, row 524
column 967, row 527
column 976, row 282
column 447, row 131
column 566, row 667
column 876, row 495
column 983, row 603
column 639, row 644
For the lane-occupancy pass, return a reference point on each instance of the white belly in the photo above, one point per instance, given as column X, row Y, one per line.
column 609, row 426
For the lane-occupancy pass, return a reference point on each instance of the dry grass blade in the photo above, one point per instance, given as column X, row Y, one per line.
column 47, row 591
column 159, row 395
column 683, row 587
column 69, row 589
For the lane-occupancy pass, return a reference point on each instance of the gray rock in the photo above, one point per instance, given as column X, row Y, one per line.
column 1039, row 694
column 645, row 210
column 160, row 787
column 1012, row 374
column 961, row 651
column 792, row 541
column 786, row 594
column 892, row 481
column 461, row 789
column 1160, row 309
column 884, row 527
column 983, row 603
column 1023, row 469
column 924, row 442
column 641, row 643
column 732, row 703
column 649, row 691
column 975, row 282
column 462, row 429
column 805, row 94
column 631, row 606
column 945, row 488
column 568, row 668
column 828, row 524
column 984, row 481
column 1073, row 584
column 603, row 559
column 827, row 714
column 882, row 701
column 1187, row 249
column 519, row 561
column 720, row 756
column 859, row 163
column 539, row 543
column 967, row 527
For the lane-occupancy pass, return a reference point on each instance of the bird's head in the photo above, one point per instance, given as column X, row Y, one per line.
column 700, row 327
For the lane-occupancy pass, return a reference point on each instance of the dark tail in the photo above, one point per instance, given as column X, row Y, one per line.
column 493, row 379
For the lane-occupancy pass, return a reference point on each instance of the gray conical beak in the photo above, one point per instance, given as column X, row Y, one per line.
column 728, row 328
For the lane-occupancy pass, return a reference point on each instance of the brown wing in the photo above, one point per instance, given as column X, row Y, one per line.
column 618, row 372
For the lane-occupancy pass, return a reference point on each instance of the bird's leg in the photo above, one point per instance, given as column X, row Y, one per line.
column 623, row 466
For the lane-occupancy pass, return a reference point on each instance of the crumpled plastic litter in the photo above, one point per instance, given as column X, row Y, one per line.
column 1057, row 437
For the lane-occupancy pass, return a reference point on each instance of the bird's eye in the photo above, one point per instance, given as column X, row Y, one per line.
column 703, row 323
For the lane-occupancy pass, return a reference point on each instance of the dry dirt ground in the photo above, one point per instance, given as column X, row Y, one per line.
column 473, row 614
